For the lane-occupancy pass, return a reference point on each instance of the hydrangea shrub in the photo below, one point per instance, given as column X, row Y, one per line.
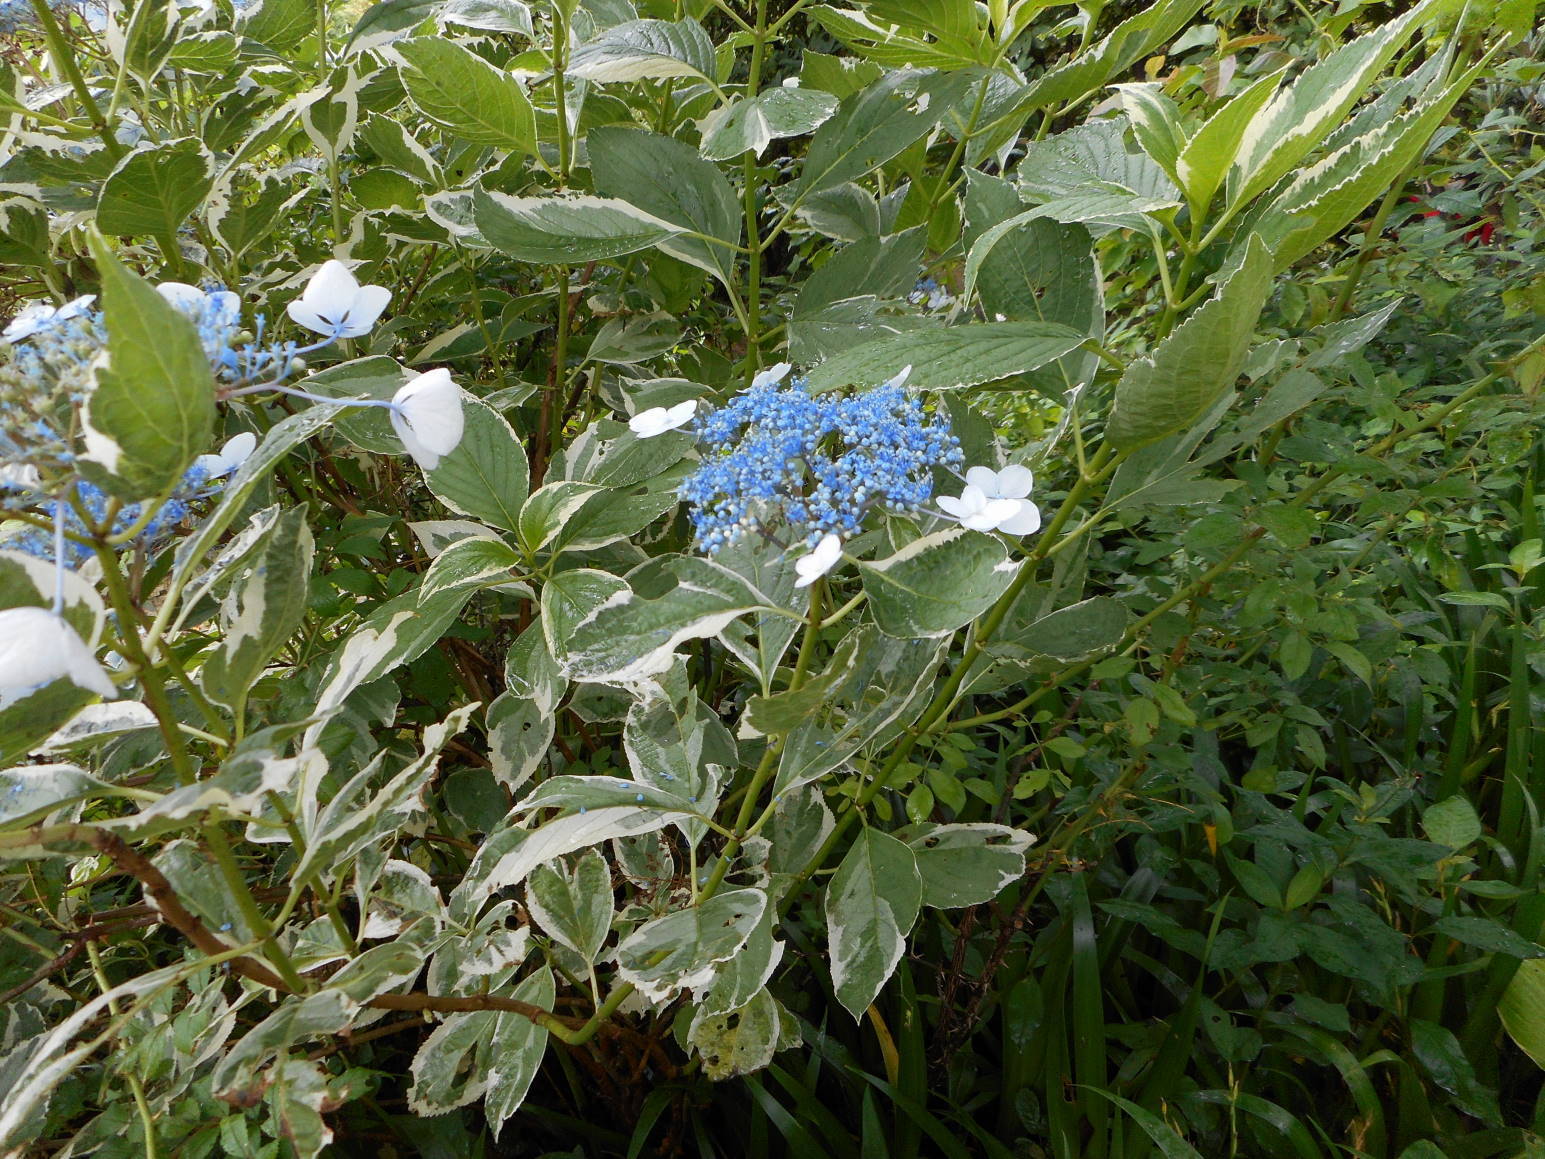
column 500, row 507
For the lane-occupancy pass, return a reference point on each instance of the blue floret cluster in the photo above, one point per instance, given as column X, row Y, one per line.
column 777, row 458
column 195, row 484
column 48, row 373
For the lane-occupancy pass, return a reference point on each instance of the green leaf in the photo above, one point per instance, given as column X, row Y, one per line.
column 1486, row 934
column 962, row 865
column 667, row 178
column 750, row 125
column 566, row 230
column 508, row 857
column 1206, row 157
column 610, row 515
column 1327, row 196
column 152, row 405
column 762, row 640
column 634, row 633
column 280, row 24
column 680, row 950
column 570, row 598
column 520, row 734
column 1170, row 1144
column 737, row 1041
column 1299, row 117
column 1452, row 822
column 575, row 908
column 941, row 34
column 515, row 1052
column 204, row 52
column 296, row 1096
column 474, row 561
column 445, row 1071
column 356, row 816
column 1078, row 631
column 463, row 93
column 585, row 793
column 646, row 50
column 888, row 688
column 867, row 130
column 871, row 903
column 1196, row 363
column 550, row 508
column 1087, row 174
column 381, row 23
column 1156, row 124
column 839, row 304
column 747, row 972
column 1523, row 1009
column 784, row 711
column 938, row 583
column 1123, row 46
column 486, row 476
column 153, row 190
column 1256, row 882
column 398, row 632
column 377, row 376
column 29, row 793
column 1036, row 269
column 950, row 357
column 488, row 15
column 284, row 437
column 1444, row 1059
column 267, row 603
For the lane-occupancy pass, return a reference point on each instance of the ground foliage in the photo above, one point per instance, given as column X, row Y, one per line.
column 458, row 805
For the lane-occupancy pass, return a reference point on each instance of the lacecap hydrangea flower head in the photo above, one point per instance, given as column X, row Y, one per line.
column 802, row 467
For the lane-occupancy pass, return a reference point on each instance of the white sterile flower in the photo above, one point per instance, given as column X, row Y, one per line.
column 19, row 477
column 40, row 316
column 974, row 510
column 426, row 414
column 658, row 419
column 818, row 561
column 773, row 375
column 232, row 455
column 37, row 647
column 335, row 304
column 1013, row 482
column 1002, row 507
column 193, row 301
column 897, row 379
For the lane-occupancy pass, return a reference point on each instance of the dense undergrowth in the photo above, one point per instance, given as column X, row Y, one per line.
column 972, row 586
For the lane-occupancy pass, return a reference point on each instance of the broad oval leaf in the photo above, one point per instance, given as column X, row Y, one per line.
column 871, row 903
column 938, row 583
column 1196, row 362
column 950, row 357
column 153, row 190
column 566, row 230
column 463, row 93
column 152, row 405
column 680, row 950
column 645, row 50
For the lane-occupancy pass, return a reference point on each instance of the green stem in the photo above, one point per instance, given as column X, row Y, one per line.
column 147, row 673
column 225, row 859
column 754, row 242
column 64, row 61
column 142, row 1106
column 1371, row 237
column 322, row 40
